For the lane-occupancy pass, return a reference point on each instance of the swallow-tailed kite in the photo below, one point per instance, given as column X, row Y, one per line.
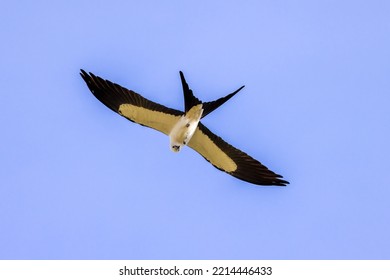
column 183, row 128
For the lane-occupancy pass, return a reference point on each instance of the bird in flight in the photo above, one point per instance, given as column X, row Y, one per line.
column 184, row 128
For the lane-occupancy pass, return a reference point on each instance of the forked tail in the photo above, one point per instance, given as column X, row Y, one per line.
column 190, row 100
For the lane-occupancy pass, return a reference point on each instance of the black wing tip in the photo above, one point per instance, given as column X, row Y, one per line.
column 277, row 181
column 281, row 183
column 87, row 76
column 252, row 171
column 104, row 90
column 271, row 179
column 83, row 74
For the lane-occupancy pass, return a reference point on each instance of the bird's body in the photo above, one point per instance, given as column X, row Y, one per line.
column 184, row 128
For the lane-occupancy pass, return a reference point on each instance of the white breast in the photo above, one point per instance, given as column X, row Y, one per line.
column 183, row 130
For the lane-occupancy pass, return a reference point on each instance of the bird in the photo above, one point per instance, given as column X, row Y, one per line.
column 184, row 128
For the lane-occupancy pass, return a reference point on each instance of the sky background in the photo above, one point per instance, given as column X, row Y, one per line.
column 77, row 181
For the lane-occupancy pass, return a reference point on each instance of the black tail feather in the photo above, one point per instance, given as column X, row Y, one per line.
column 190, row 100
column 208, row 107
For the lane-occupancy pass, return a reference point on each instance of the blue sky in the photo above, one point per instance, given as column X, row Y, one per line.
column 80, row 182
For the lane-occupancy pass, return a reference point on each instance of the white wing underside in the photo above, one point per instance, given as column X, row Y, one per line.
column 160, row 121
column 164, row 122
column 201, row 143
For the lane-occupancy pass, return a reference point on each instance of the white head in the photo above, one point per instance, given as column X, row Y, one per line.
column 175, row 147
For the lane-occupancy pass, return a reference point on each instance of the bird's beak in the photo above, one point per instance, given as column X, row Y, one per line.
column 175, row 148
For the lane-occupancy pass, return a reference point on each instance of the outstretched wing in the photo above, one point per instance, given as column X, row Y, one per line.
column 131, row 105
column 231, row 160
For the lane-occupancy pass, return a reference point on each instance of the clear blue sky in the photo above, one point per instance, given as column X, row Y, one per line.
column 80, row 182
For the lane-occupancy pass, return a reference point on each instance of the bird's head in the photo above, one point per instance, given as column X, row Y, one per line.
column 175, row 147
